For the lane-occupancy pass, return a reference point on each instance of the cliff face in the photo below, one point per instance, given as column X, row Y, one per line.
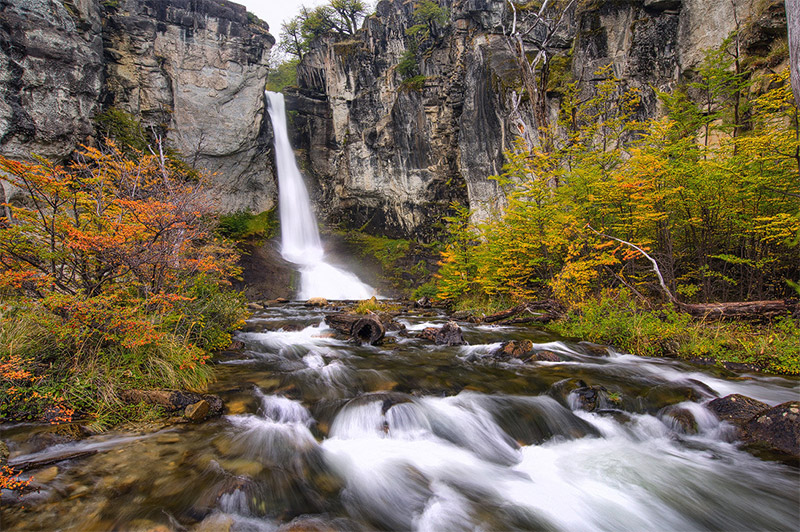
column 392, row 157
column 193, row 68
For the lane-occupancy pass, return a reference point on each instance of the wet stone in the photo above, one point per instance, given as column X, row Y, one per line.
column 679, row 418
column 545, row 356
column 736, row 408
column 198, row 411
column 776, row 429
column 593, row 349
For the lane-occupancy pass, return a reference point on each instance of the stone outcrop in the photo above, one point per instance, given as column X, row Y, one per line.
column 390, row 156
column 193, row 71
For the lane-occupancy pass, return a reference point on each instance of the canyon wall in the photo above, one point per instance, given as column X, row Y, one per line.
column 390, row 157
column 191, row 70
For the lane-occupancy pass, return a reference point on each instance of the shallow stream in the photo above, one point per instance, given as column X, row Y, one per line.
column 322, row 434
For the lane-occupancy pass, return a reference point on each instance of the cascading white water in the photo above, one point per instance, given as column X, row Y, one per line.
column 299, row 235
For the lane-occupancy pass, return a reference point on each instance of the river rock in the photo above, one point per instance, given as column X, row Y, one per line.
column 593, row 349
column 197, row 411
column 422, row 302
column 588, row 398
column 317, row 302
column 3, row 453
column 736, row 409
column 516, row 349
column 463, row 315
column 449, row 334
column 545, row 356
column 679, row 418
column 776, row 429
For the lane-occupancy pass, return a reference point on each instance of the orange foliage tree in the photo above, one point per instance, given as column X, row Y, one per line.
column 109, row 255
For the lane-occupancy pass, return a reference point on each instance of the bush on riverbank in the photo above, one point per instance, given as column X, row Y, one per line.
column 707, row 193
column 617, row 319
column 111, row 278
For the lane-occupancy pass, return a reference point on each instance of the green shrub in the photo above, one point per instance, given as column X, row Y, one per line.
column 242, row 225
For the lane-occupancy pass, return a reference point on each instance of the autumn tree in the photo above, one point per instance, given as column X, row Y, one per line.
column 112, row 261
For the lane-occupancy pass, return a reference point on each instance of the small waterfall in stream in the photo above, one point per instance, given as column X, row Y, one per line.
column 299, row 235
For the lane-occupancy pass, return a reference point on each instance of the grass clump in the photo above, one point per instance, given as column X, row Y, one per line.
column 243, row 225
column 620, row 321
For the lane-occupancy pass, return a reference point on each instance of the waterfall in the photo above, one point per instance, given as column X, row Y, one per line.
column 300, row 242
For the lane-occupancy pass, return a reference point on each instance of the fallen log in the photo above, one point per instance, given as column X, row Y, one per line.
column 552, row 310
column 36, row 463
column 366, row 328
column 541, row 318
column 741, row 309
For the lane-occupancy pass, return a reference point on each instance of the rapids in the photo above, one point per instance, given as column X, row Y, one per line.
column 410, row 436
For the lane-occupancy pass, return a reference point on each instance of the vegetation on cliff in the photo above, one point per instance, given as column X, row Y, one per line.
column 112, row 278
column 709, row 194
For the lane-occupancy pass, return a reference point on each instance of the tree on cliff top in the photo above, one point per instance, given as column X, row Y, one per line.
column 337, row 16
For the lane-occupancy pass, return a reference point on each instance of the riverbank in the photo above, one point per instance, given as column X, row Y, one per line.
column 618, row 320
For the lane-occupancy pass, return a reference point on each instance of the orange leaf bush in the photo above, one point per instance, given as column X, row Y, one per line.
column 113, row 265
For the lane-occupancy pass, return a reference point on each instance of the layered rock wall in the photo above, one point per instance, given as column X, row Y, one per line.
column 391, row 157
column 192, row 70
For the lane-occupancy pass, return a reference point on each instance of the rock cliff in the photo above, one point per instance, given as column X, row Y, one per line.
column 391, row 156
column 192, row 70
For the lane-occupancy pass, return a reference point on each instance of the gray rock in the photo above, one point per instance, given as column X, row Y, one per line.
column 776, row 429
column 391, row 158
column 736, row 409
column 449, row 334
column 195, row 70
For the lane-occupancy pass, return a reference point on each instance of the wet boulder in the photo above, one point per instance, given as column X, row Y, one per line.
column 670, row 393
column 423, row 302
column 736, row 409
column 317, row 302
column 589, row 398
column 516, row 349
column 197, row 411
column 776, row 429
column 592, row 349
column 448, row 334
column 545, row 356
column 679, row 418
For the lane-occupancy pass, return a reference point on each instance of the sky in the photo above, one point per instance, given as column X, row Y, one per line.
column 276, row 11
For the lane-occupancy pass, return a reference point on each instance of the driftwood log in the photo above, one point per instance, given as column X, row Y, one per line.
column 743, row 309
column 35, row 463
column 366, row 328
column 543, row 311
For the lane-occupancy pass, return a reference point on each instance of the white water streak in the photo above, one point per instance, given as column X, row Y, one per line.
column 301, row 244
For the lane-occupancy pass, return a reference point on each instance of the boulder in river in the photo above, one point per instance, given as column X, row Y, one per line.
column 680, row 418
column 776, row 429
column 737, row 409
column 516, row 349
column 317, row 302
column 545, row 356
column 197, row 411
column 589, row 398
column 448, row 334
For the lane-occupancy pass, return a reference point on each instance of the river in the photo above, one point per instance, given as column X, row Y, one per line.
column 322, row 434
